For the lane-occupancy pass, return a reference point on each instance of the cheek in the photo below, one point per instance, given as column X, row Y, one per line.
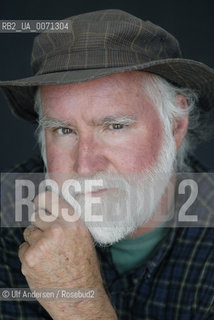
column 141, row 152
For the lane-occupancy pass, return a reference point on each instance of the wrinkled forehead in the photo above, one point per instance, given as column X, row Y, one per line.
column 118, row 94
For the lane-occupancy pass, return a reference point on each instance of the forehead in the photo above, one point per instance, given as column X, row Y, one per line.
column 119, row 92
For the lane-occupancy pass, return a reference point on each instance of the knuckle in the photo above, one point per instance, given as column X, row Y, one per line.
column 42, row 246
column 56, row 231
column 28, row 259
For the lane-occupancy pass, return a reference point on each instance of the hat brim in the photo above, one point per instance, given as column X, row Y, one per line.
column 181, row 72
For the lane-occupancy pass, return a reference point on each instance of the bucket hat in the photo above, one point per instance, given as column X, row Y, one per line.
column 103, row 43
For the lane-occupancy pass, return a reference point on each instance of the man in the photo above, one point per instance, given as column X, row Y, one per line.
column 116, row 104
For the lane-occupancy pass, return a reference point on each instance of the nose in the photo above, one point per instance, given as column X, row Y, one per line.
column 89, row 157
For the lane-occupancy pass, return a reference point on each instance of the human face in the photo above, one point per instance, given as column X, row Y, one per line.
column 109, row 129
column 108, row 125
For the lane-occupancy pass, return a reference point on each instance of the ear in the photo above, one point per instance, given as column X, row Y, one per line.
column 180, row 126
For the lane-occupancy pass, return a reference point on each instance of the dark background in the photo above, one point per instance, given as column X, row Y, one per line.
column 191, row 22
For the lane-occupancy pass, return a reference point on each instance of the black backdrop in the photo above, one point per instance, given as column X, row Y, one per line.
column 191, row 22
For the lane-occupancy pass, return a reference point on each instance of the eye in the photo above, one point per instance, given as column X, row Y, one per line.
column 64, row 131
column 117, row 126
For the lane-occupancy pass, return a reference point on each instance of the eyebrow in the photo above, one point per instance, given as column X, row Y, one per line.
column 128, row 119
column 48, row 122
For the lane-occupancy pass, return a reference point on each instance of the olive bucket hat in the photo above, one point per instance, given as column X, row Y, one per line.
column 102, row 43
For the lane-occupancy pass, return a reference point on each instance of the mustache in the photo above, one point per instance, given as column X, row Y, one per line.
column 97, row 181
column 78, row 185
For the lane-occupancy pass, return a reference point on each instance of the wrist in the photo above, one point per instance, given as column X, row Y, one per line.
column 99, row 308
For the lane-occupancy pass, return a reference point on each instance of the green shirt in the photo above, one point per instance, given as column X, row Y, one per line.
column 132, row 252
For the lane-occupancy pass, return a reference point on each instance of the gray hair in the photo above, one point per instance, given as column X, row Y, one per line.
column 163, row 94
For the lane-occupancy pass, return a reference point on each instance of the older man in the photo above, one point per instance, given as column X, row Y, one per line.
column 115, row 103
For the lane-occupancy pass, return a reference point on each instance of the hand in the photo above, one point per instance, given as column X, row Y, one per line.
column 58, row 254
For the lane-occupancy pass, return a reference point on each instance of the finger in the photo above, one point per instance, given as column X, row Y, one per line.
column 22, row 249
column 42, row 219
column 32, row 234
column 48, row 201
column 58, row 207
column 27, row 232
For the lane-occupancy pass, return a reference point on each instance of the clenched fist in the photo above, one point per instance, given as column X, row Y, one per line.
column 60, row 254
